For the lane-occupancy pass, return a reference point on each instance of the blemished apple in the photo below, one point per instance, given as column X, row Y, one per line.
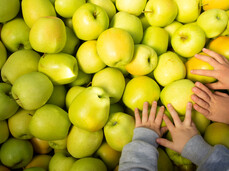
column 107, row 80
column 8, row 10
column 144, row 60
column 119, row 130
column 161, row 12
column 49, row 122
column 40, row 146
column 16, row 153
column 40, row 160
column 164, row 163
column 82, row 110
column 157, row 38
column 213, row 22
column 212, row 4
column 58, row 144
column 35, row 9
column 89, row 21
column 61, row 68
column 58, row 96
column 115, row 47
column 170, row 68
column 139, row 90
column 3, row 55
column 32, row 90
column 4, row 131
column 133, row 26
column 200, row 121
column 82, row 143
column 72, row 93
column 188, row 40
column 19, row 63
column 82, row 79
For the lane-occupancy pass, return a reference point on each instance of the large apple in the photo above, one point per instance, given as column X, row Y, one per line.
column 72, row 93
column 8, row 9
column 4, row 131
column 58, row 96
column 89, row 21
column 41, row 160
column 40, row 146
column 3, row 55
column 211, row 4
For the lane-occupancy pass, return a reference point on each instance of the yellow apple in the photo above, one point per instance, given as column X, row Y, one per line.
column 210, row 4
column 40, row 146
column 41, row 160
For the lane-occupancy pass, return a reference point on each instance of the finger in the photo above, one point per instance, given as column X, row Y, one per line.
column 203, row 111
column 204, row 88
column 174, row 115
column 168, row 123
column 207, row 59
column 145, row 112
column 221, row 94
column 209, row 73
column 214, row 55
column 160, row 114
column 214, row 86
column 201, row 94
column 204, row 104
column 164, row 130
column 153, row 112
column 188, row 114
column 164, row 142
column 137, row 118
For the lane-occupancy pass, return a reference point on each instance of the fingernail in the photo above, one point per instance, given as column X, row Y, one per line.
column 169, row 105
column 204, row 49
column 191, row 71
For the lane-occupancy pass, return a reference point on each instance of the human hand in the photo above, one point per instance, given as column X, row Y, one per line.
column 152, row 121
column 221, row 69
column 212, row 105
column 181, row 132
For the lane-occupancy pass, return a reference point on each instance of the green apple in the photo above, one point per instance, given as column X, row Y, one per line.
column 61, row 161
column 3, row 55
column 32, row 90
column 58, row 96
column 107, row 80
column 200, row 121
column 144, row 60
column 58, row 144
column 115, row 47
column 81, row 79
column 8, row 104
column 68, row 22
column 119, row 130
column 40, row 160
column 171, row 28
column 88, row 163
column 89, row 21
column 116, row 107
column 170, row 68
column 8, row 9
column 131, row 23
column 40, row 146
column 161, row 12
column 16, row 153
column 82, row 110
column 4, row 131
column 19, row 63
column 157, row 38
column 35, row 169
column 19, row 124
column 56, row 30
column 139, row 90
column 61, row 68
column 49, row 122
column 213, row 22
column 217, row 133
column 145, row 23
column 163, row 163
column 66, row 8
column 82, row 143
column 188, row 40
column 134, row 7
column 35, row 9
column 72, row 93
column 178, row 93
column 88, row 58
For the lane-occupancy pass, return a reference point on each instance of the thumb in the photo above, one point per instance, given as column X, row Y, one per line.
column 164, row 142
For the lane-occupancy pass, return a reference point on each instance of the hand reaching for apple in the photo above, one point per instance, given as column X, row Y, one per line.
column 213, row 105
column 220, row 72
column 181, row 132
column 152, row 121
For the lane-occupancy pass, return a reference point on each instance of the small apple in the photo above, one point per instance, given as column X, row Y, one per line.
column 40, row 160
column 4, row 131
column 82, row 79
column 72, row 93
column 40, row 146
column 58, row 96
column 8, row 9
column 145, row 23
column 58, row 144
column 171, row 28
column 3, row 55
column 200, row 121
column 211, row 4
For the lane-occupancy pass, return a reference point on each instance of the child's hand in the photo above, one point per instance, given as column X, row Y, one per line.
column 181, row 132
column 152, row 121
column 220, row 72
column 213, row 106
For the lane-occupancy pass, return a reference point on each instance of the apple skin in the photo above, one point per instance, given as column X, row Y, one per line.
column 49, row 122
column 19, row 63
column 171, row 28
column 200, row 121
column 16, row 153
column 89, row 21
column 82, row 109
column 139, row 90
column 211, row 4
column 41, row 160
column 116, row 107
column 4, row 131
column 82, row 143
column 40, row 146
column 82, row 79
column 163, row 163
column 145, row 23
column 72, row 93
column 115, row 47
column 58, row 144
column 34, row 169
column 58, row 96
column 8, row 10
column 3, row 55
column 4, row 168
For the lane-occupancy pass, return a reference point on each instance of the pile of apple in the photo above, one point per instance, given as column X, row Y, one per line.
column 73, row 71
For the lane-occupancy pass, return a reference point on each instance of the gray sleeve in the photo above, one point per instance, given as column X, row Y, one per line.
column 206, row 157
column 141, row 154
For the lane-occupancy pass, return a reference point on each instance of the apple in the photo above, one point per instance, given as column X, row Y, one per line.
column 40, row 146
column 19, row 63
column 81, row 79
column 3, row 55
column 35, row 169
column 133, row 27
column 170, row 68
column 58, row 144
column 4, row 168
column 188, row 40
column 178, row 93
column 4, row 131
column 89, row 21
column 139, row 90
column 145, row 23
column 82, row 110
column 58, row 96
column 134, row 7
column 8, row 10
column 8, row 104
column 68, row 22
column 161, row 12
column 89, row 163
column 49, row 122
column 35, row 9
column 66, row 8
column 171, row 28
column 72, row 93
column 82, row 143
column 200, row 121
column 41, row 160
column 88, row 58
column 144, row 60
column 211, row 4
column 116, row 107
column 163, row 163
column 107, row 80
column 213, row 22
column 157, row 38
column 16, row 153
